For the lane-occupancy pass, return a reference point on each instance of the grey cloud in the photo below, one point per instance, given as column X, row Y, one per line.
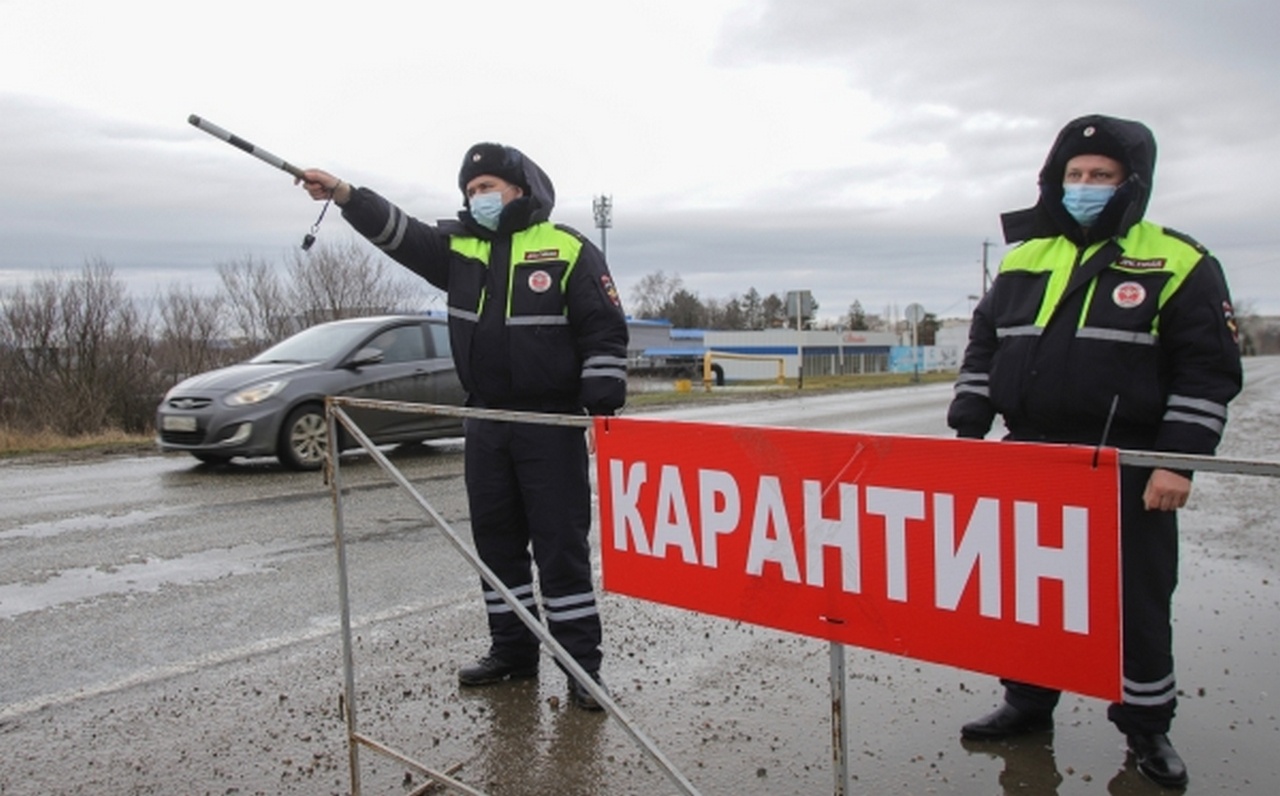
column 1193, row 69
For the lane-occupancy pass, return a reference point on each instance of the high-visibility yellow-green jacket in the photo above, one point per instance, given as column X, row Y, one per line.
column 534, row 317
column 1131, row 322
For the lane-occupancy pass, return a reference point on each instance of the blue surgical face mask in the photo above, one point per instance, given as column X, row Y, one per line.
column 486, row 209
column 1085, row 201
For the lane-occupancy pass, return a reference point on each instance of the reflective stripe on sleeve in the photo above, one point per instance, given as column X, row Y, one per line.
column 1199, row 404
column 973, row 383
column 1213, row 424
column 605, row 367
column 391, row 236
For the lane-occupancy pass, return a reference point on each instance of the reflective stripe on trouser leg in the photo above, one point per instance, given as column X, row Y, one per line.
column 1149, row 546
column 500, row 532
column 551, row 463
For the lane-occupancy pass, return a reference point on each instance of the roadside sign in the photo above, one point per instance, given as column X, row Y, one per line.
column 1001, row 558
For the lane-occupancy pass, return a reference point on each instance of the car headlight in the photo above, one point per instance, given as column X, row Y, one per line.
column 256, row 394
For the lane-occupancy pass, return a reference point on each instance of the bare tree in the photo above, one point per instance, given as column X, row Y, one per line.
column 192, row 334
column 28, row 338
column 654, row 293
column 725, row 314
column 345, row 280
column 78, row 355
column 256, row 300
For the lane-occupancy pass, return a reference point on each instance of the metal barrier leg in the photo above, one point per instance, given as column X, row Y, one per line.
column 839, row 722
column 344, row 606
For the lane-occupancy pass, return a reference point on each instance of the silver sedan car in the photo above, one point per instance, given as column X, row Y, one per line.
column 273, row 404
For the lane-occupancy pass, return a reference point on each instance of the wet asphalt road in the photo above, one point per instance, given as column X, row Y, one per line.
column 172, row 628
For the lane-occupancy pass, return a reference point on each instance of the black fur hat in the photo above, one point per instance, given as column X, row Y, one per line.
column 1092, row 140
column 496, row 159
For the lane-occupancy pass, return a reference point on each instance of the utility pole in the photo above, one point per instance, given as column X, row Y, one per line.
column 986, row 274
column 602, row 209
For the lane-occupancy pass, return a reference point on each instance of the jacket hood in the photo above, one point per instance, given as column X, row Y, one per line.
column 1048, row 218
column 532, row 208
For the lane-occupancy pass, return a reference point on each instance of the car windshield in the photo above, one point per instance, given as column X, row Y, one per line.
column 315, row 344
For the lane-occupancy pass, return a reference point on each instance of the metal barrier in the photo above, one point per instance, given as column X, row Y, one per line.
column 839, row 725
column 355, row 739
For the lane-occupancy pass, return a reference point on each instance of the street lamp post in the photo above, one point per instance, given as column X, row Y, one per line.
column 602, row 209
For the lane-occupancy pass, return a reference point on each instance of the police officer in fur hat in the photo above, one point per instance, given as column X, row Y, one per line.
column 1105, row 328
column 535, row 325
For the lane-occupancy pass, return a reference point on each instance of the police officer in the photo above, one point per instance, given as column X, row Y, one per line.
column 1102, row 327
column 535, row 325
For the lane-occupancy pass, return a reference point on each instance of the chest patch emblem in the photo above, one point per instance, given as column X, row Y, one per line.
column 1128, row 295
column 541, row 254
column 539, row 281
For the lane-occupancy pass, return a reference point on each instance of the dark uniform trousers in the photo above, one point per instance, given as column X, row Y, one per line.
column 1149, row 572
column 528, row 487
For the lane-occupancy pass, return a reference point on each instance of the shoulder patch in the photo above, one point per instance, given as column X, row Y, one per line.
column 1229, row 315
column 612, row 292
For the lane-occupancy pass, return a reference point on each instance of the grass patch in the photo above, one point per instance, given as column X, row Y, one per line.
column 18, row 443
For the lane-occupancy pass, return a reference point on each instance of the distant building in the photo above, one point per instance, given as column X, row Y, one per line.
column 657, row 348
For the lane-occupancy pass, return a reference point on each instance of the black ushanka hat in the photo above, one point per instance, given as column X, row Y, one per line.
column 495, row 159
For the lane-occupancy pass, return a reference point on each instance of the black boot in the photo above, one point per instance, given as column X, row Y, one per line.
column 1007, row 721
column 580, row 696
column 1157, row 760
column 494, row 669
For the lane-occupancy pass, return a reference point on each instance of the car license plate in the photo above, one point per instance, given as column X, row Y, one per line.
column 178, row 423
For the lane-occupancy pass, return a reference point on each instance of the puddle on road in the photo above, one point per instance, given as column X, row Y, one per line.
column 79, row 585
column 84, row 522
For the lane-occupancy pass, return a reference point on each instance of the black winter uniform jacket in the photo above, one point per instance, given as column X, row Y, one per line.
column 534, row 317
column 1125, row 320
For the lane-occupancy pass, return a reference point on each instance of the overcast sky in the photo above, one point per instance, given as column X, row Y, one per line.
column 860, row 150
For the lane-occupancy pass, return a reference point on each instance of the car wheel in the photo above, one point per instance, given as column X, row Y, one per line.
column 304, row 439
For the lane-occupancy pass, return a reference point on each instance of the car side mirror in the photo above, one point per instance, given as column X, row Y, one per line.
column 365, row 356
